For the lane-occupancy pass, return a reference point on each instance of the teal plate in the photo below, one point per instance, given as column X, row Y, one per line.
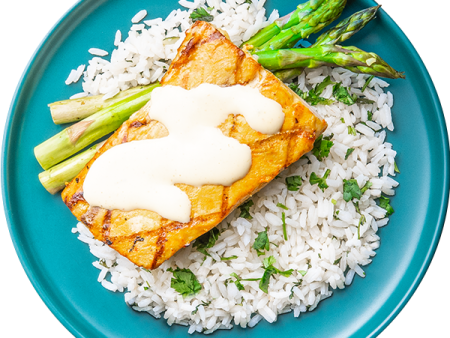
column 59, row 266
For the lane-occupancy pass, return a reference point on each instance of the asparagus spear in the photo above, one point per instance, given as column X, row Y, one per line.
column 345, row 29
column 76, row 137
column 77, row 109
column 303, row 10
column 56, row 177
column 341, row 32
column 285, row 75
column 310, row 24
column 350, row 57
column 285, row 22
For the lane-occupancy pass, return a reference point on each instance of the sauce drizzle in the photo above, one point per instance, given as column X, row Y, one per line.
column 141, row 174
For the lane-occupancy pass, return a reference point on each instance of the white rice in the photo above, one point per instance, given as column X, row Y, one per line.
column 323, row 247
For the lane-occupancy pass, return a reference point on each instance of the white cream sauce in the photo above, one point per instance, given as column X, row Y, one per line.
column 142, row 174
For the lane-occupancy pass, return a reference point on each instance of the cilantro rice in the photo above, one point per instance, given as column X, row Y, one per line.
column 305, row 234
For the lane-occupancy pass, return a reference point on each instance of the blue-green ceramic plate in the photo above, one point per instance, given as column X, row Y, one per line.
column 59, row 266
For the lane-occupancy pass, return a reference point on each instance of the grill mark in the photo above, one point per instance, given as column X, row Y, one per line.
column 107, row 220
column 224, row 207
column 88, row 218
column 190, row 45
column 214, row 36
column 160, row 245
column 125, row 138
column 136, row 124
column 137, row 239
column 240, row 59
column 78, row 196
column 106, row 225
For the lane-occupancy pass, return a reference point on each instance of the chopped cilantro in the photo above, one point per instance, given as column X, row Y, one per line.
column 322, row 146
column 238, row 280
column 333, row 201
column 184, row 282
column 261, row 243
column 322, row 182
column 369, row 116
column 207, row 241
column 342, row 120
column 202, row 303
column 283, row 218
column 324, row 84
column 147, row 287
column 293, row 183
column 313, row 96
column 282, row 206
column 245, row 210
column 296, row 284
column 396, row 168
column 384, row 203
column 269, row 271
column 362, row 220
column 367, row 83
column 366, row 186
column 336, row 262
column 356, row 204
column 228, row 258
column 268, row 261
column 201, row 14
column 349, row 151
column 351, row 190
column 342, row 95
column 351, row 130
column 302, row 272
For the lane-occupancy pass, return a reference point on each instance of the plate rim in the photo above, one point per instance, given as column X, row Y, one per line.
column 41, row 291
column 71, row 327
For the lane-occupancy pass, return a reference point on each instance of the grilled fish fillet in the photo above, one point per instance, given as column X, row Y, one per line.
column 206, row 56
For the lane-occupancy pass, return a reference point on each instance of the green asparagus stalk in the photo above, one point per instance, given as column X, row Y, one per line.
column 345, row 29
column 55, row 178
column 302, row 11
column 73, row 110
column 285, row 75
column 76, row 137
column 310, row 24
column 350, row 57
column 285, row 22
column 342, row 31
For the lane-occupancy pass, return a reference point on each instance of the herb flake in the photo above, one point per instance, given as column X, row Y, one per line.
column 282, row 206
column 200, row 14
column 203, row 303
column 351, row 190
column 322, row 182
column 206, row 241
column 184, row 282
column 313, row 96
column 322, row 146
column 245, row 210
column 269, row 271
column 384, row 203
column 349, row 152
column 293, row 183
column 238, row 280
column 367, row 83
column 261, row 243
column 283, row 219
